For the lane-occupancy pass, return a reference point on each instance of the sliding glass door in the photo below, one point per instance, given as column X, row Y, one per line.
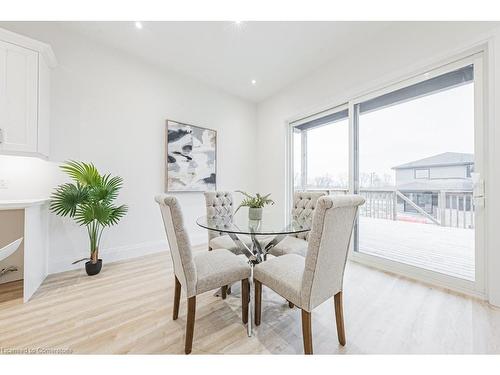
column 321, row 152
column 414, row 151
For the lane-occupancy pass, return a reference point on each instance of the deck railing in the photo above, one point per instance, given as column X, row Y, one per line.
column 457, row 209
column 453, row 209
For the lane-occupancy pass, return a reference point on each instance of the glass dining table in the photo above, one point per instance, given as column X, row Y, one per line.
column 264, row 235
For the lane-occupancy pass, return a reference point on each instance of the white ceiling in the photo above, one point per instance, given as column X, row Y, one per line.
column 228, row 55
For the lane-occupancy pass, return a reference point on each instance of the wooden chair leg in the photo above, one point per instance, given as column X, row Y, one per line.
column 177, row 298
column 339, row 317
column 290, row 305
column 191, row 312
column 307, row 332
column 245, row 293
column 223, row 291
column 258, row 301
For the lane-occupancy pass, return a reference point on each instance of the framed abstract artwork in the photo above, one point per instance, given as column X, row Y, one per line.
column 191, row 158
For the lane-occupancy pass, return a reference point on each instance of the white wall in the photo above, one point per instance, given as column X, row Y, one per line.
column 110, row 109
column 404, row 175
column 25, row 177
column 382, row 59
column 451, row 171
column 457, row 171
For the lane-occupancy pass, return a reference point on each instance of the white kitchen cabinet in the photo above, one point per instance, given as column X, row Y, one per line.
column 24, row 95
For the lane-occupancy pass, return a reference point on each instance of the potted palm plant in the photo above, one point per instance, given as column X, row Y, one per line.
column 89, row 199
column 255, row 204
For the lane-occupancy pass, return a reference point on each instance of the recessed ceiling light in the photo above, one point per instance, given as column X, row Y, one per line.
column 237, row 22
column 254, row 82
column 138, row 25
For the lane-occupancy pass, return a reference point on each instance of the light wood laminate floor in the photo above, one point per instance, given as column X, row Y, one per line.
column 128, row 309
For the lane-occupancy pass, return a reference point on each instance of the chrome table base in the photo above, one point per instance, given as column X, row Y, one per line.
column 255, row 255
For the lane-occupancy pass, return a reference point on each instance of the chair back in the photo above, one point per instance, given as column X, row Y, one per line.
column 178, row 240
column 304, row 204
column 220, row 208
column 329, row 242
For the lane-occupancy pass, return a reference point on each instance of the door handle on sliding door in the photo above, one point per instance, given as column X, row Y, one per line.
column 477, row 189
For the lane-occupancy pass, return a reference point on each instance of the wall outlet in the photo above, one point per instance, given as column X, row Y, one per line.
column 4, row 184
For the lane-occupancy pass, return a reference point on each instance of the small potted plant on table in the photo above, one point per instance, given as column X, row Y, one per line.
column 255, row 204
column 89, row 200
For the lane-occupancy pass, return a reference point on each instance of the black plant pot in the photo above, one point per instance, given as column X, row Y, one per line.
column 93, row 268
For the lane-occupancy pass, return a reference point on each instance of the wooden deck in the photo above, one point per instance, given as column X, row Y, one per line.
column 442, row 249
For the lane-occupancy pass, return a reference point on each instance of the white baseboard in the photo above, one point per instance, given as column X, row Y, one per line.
column 112, row 255
column 121, row 253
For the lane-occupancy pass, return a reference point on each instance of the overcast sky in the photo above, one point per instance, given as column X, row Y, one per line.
column 442, row 122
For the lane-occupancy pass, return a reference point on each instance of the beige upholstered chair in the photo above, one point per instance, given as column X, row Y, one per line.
column 220, row 206
column 310, row 281
column 200, row 273
column 304, row 204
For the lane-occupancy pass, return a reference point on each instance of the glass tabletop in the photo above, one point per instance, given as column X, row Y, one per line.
column 272, row 223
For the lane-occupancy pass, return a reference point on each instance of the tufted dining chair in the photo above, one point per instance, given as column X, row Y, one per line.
column 200, row 273
column 310, row 281
column 304, row 204
column 220, row 207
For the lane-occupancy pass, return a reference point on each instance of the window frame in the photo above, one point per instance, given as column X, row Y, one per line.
column 294, row 129
column 428, row 170
column 476, row 287
column 479, row 56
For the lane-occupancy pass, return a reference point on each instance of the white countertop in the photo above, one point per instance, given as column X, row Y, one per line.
column 12, row 204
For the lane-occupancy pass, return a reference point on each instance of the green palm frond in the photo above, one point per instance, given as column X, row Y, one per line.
column 116, row 214
column 84, row 173
column 103, row 213
column 66, row 198
column 107, row 190
column 84, row 214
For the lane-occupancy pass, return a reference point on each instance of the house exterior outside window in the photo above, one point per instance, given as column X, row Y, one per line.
column 423, row 180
